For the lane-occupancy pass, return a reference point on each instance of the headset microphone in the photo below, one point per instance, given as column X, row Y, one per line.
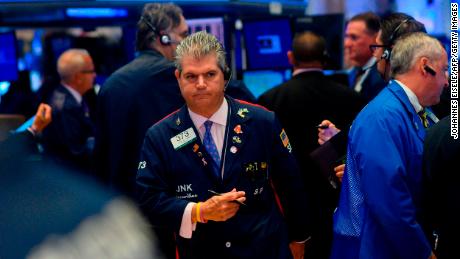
column 387, row 52
column 429, row 70
column 227, row 76
column 165, row 39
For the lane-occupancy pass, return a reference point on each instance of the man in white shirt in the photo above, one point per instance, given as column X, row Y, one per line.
column 70, row 136
column 360, row 33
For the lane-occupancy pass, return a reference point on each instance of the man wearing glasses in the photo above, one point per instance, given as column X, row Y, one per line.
column 70, row 136
column 391, row 29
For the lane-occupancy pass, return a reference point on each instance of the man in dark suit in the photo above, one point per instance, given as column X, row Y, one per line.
column 70, row 136
column 301, row 104
column 361, row 31
column 440, row 155
column 138, row 95
column 200, row 164
column 135, row 97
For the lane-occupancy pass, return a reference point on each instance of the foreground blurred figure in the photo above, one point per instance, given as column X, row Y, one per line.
column 51, row 212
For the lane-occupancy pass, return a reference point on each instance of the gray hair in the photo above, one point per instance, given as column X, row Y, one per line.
column 198, row 45
column 70, row 62
column 410, row 48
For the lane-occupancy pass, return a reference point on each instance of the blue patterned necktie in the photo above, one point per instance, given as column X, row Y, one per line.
column 211, row 147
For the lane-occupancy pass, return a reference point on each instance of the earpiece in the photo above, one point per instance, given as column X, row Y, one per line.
column 227, row 73
column 165, row 39
column 429, row 70
column 387, row 52
column 227, row 76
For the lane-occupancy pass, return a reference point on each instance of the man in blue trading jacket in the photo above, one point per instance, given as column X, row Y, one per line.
column 380, row 203
column 201, row 163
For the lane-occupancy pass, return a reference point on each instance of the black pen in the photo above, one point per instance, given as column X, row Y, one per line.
column 322, row 126
column 220, row 194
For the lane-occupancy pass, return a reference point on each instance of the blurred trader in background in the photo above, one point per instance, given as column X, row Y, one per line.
column 138, row 95
column 361, row 32
column 312, row 95
column 392, row 28
column 380, row 201
column 69, row 139
column 200, row 163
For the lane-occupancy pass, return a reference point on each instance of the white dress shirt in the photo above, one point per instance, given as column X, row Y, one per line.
column 415, row 103
column 219, row 123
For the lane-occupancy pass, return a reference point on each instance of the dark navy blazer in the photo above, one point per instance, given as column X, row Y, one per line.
column 169, row 178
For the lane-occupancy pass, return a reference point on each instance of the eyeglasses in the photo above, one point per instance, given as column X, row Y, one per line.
column 373, row 47
column 88, row 71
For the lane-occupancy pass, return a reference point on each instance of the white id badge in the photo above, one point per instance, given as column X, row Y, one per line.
column 183, row 138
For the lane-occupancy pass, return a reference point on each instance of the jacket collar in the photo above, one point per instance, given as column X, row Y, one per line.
column 398, row 91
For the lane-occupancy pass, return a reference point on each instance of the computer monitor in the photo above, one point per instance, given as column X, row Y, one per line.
column 8, row 56
column 213, row 26
column 267, row 42
column 331, row 28
column 260, row 81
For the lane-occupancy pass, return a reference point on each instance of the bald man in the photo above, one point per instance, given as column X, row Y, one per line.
column 301, row 104
column 69, row 137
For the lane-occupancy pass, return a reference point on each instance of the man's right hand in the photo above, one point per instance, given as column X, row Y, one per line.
column 223, row 207
column 42, row 118
column 339, row 170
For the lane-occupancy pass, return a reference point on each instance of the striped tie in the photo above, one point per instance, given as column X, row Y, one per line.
column 423, row 116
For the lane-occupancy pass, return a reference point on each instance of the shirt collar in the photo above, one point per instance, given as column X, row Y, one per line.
column 412, row 97
column 369, row 63
column 301, row 70
column 73, row 92
column 219, row 117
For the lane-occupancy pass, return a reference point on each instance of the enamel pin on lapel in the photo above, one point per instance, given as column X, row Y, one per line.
column 178, row 121
column 236, row 140
column 242, row 112
column 195, row 148
column 233, row 149
column 238, row 129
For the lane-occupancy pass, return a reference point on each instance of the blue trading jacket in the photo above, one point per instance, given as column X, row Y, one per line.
column 253, row 159
column 381, row 190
